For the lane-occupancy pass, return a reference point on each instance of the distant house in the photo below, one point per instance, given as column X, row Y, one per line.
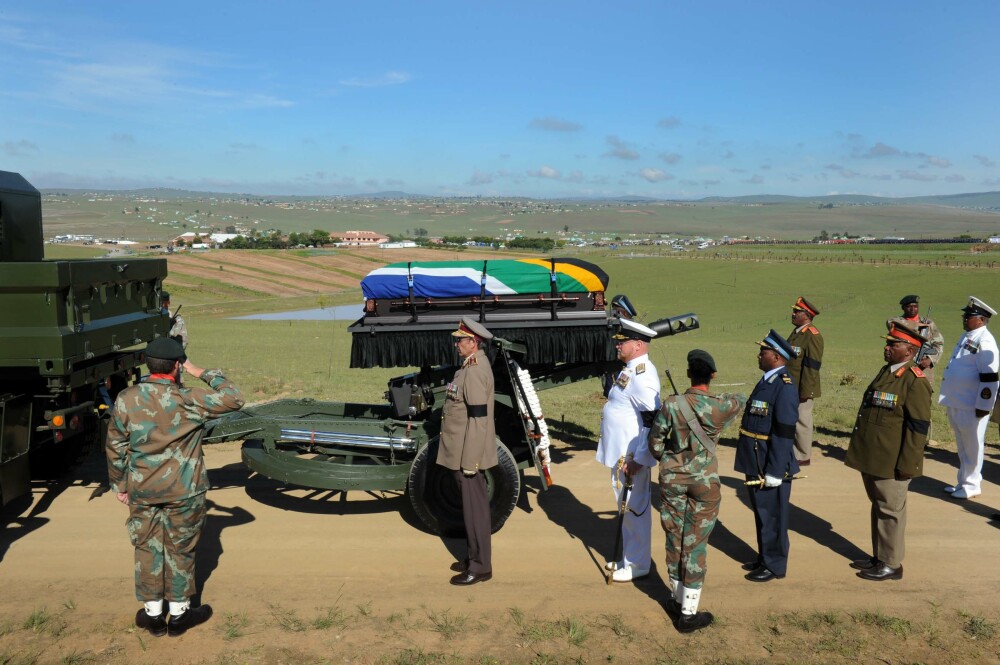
column 360, row 238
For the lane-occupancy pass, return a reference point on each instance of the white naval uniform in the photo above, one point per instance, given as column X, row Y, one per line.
column 636, row 389
column 969, row 383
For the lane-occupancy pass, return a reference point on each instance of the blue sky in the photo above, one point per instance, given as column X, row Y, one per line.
column 543, row 99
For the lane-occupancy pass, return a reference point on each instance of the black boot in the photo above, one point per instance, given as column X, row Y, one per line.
column 157, row 626
column 192, row 617
column 688, row 623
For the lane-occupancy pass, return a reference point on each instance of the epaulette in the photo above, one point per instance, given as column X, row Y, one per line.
column 640, row 368
column 919, row 372
column 786, row 379
column 473, row 360
column 811, row 329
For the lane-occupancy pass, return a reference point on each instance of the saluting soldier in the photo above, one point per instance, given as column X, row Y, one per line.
column 765, row 452
column 468, row 446
column 156, row 467
column 804, row 369
column 930, row 354
column 969, row 390
column 683, row 437
column 887, row 447
column 625, row 419
column 178, row 327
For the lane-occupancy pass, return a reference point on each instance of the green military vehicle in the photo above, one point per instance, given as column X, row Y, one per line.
column 551, row 328
column 66, row 330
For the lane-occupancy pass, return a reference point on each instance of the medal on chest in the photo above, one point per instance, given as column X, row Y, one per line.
column 970, row 346
column 622, row 381
column 884, row 400
column 758, row 407
column 452, row 391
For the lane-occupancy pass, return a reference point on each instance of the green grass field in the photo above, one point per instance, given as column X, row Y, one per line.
column 738, row 301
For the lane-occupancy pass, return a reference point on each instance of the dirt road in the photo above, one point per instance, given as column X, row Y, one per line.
column 302, row 576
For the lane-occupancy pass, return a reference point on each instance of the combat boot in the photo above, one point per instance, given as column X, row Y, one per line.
column 691, row 622
column 191, row 617
column 156, row 626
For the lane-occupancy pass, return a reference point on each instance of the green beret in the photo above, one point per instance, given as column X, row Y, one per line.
column 165, row 348
column 908, row 300
column 697, row 355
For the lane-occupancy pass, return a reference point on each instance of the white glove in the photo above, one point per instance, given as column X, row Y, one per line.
column 771, row 481
column 469, row 473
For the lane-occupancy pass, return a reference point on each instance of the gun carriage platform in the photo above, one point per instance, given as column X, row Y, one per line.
column 550, row 327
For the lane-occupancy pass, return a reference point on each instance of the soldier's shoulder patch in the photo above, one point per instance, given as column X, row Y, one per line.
column 919, row 372
column 640, row 368
column 812, row 329
column 473, row 360
column 986, row 393
column 786, row 379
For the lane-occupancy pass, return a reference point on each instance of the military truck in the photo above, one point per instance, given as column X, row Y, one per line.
column 67, row 335
column 551, row 328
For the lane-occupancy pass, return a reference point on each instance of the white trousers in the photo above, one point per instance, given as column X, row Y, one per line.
column 636, row 529
column 970, row 438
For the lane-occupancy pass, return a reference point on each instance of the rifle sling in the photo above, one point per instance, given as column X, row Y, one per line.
column 693, row 423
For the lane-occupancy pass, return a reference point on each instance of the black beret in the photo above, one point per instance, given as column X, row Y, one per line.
column 165, row 348
column 164, row 295
column 695, row 355
column 907, row 300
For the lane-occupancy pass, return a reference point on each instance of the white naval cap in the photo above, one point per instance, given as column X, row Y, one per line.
column 977, row 307
column 634, row 330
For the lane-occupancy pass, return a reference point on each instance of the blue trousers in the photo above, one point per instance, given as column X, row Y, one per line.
column 770, row 510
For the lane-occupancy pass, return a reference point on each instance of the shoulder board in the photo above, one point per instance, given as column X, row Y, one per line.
column 811, row 329
column 919, row 372
column 786, row 379
column 473, row 360
column 640, row 368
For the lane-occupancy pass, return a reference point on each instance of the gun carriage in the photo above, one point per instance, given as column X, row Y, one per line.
column 65, row 332
column 550, row 327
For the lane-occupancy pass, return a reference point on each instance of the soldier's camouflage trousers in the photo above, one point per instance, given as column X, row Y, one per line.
column 165, row 536
column 688, row 514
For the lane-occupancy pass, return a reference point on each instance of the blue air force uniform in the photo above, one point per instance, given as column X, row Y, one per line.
column 766, row 448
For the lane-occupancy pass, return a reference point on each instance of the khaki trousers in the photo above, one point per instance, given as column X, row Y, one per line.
column 888, row 497
column 804, row 431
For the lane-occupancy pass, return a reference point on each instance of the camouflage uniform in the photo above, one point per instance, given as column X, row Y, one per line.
column 154, row 455
column 935, row 340
column 179, row 330
column 689, row 478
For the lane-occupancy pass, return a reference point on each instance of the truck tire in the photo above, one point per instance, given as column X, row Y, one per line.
column 436, row 498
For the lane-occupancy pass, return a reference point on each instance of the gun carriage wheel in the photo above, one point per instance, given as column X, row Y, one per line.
column 435, row 496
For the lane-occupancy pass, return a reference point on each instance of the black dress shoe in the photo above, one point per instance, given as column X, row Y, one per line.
column 762, row 574
column 467, row 578
column 460, row 566
column 882, row 571
column 688, row 623
column 673, row 608
column 752, row 565
column 864, row 564
column 805, row 462
column 192, row 617
column 157, row 626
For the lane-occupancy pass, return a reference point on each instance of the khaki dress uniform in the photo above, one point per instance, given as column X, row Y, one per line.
column 468, row 442
column 888, row 440
column 804, row 370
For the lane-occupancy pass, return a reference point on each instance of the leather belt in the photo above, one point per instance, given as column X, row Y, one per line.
column 754, row 435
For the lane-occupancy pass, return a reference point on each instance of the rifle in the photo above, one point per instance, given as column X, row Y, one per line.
column 925, row 348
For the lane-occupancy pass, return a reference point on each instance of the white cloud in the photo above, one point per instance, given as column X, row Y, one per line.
column 670, row 157
column 984, row 160
column 546, row 172
column 916, row 175
column 389, row 78
column 654, row 175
